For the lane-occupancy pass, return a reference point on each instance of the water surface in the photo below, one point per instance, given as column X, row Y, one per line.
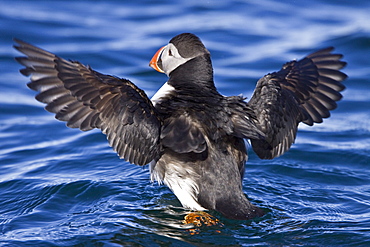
column 64, row 187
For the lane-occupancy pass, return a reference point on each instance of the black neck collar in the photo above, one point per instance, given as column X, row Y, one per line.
column 195, row 74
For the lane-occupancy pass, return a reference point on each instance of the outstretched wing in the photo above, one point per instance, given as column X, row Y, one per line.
column 87, row 99
column 302, row 91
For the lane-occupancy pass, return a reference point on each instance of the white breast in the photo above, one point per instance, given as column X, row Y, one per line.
column 180, row 180
column 161, row 93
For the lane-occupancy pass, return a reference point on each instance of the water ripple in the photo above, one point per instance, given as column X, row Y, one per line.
column 63, row 187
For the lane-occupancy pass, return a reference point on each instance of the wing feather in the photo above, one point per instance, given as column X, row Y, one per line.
column 87, row 99
column 302, row 91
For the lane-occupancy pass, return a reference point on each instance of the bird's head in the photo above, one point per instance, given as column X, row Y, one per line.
column 179, row 50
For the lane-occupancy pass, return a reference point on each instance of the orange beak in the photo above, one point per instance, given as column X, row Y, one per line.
column 154, row 61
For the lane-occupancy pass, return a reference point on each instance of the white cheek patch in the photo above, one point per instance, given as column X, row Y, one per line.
column 169, row 63
column 161, row 93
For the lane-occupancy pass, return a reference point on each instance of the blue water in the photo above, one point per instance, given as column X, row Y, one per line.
column 64, row 187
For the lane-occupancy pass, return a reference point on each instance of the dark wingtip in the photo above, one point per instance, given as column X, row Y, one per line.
column 19, row 43
column 18, row 59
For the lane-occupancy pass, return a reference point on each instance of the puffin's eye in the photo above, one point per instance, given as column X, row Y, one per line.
column 169, row 52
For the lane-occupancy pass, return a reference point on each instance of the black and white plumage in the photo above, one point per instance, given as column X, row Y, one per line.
column 191, row 135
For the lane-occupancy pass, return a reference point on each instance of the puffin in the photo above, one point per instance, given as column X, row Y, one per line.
column 192, row 137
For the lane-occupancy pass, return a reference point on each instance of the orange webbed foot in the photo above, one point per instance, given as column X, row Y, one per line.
column 199, row 219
